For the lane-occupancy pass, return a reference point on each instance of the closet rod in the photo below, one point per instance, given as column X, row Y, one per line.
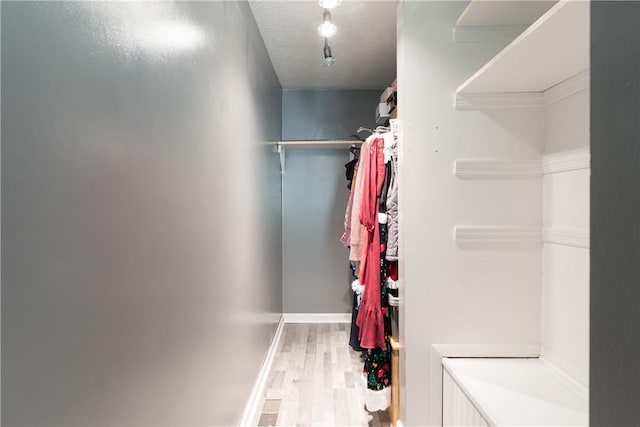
column 318, row 144
column 330, row 143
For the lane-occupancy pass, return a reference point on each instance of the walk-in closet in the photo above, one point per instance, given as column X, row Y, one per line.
column 320, row 213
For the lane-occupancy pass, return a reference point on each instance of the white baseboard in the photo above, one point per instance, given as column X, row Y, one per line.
column 252, row 407
column 317, row 317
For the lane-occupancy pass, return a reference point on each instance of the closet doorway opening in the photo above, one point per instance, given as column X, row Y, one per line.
column 335, row 94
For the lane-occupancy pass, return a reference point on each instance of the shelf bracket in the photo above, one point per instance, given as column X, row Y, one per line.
column 280, row 151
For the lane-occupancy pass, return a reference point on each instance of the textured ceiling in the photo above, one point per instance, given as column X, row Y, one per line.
column 364, row 47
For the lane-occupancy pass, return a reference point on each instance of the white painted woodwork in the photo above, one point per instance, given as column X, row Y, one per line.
column 496, row 169
column 495, row 234
column 252, row 407
column 457, row 293
column 567, row 125
column 550, row 51
column 487, row 34
column 516, row 392
column 573, row 377
column 565, row 308
column 575, row 238
column 566, row 161
column 439, row 351
column 457, row 409
column 569, row 87
column 317, row 317
column 484, row 101
column 502, row 13
column 566, row 200
column 565, row 255
column 479, row 101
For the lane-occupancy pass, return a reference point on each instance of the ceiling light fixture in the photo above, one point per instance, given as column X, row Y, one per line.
column 329, row 60
column 329, row 4
column 327, row 28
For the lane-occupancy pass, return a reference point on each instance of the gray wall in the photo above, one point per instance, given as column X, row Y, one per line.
column 315, row 264
column 141, row 212
column 615, row 214
column 327, row 114
column 316, row 275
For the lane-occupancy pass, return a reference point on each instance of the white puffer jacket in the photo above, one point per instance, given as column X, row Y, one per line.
column 392, row 208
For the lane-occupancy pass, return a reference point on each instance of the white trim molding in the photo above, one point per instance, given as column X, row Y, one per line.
column 575, row 238
column 565, row 89
column 573, row 378
column 317, row 317
column 566, row 161
column 250, row 413
column 496, row 169
column 493, row 234
column 479, row 101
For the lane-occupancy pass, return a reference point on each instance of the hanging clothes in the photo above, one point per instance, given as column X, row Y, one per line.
column 357, row 288
column 392, row 205
column 346, row 236
column 370, row 314
column 368, row 218
column 350, row 169
column 357, row 230
column 377, row 365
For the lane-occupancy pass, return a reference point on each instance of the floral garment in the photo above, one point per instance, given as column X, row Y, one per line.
column 377, row 365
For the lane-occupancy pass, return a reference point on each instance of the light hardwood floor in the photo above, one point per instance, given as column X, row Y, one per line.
column 315, row 380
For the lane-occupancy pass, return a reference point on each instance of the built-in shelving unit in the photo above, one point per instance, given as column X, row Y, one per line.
column 541, row 78
column 550, row 51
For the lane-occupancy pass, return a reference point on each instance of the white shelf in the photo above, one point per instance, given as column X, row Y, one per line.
column 503, row 13
column 519, row 392
column 550, row 51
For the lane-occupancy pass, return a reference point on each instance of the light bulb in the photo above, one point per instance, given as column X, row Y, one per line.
column 329, row 4
column 327, row 29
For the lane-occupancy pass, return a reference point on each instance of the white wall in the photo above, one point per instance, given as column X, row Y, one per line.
column 565, row 284
column 453, row 294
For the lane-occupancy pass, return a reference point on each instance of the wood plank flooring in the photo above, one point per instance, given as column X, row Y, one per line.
column 315, row 380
